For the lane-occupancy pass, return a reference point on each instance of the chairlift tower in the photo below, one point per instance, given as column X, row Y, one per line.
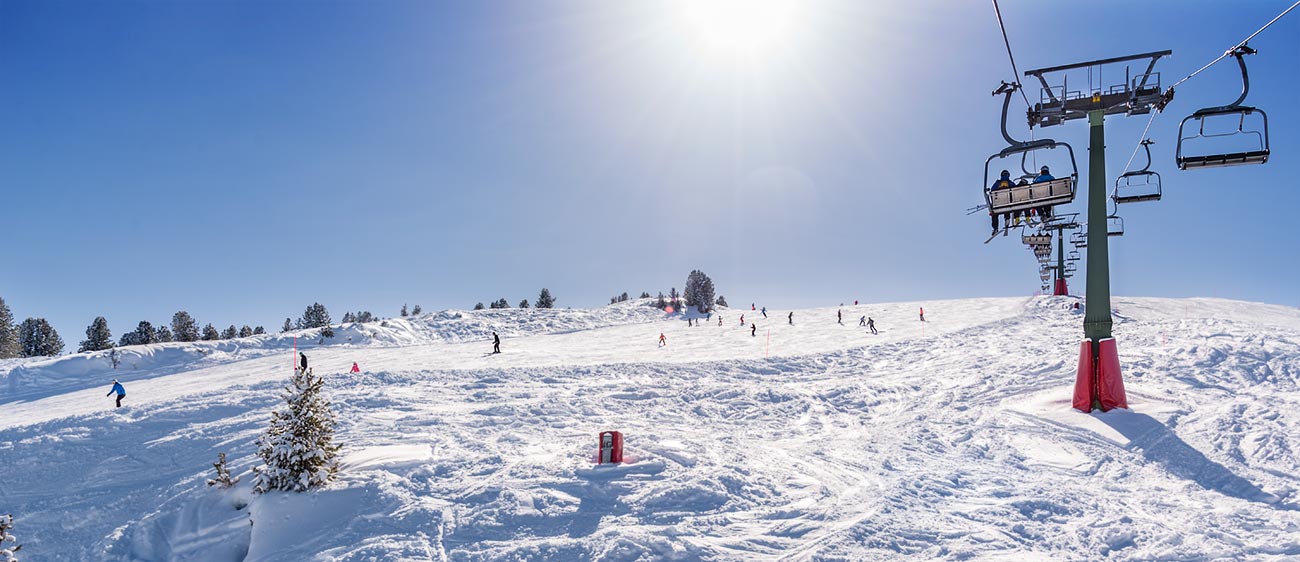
column 1098, row 383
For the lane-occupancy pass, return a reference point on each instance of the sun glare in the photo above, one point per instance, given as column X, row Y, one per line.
column 740, row 26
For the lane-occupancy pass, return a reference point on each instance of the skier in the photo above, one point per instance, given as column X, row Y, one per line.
column 742, row 319
column 719, row 319
column 751, row 306
column 839, row 317
column 121, row 392
column 765, row 312
column 303, row 361
column 753, row 329
column 496, row 343
column 923, row 314
column 871, row 323
column 791, row 318
column 1003, row 182
column 855, row 303
column 688, row 321
column 663, row 340
column 862, row 321
column 355, row 368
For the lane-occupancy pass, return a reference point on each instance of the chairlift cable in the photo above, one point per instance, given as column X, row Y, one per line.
column 1228, row 52
column 1007, row 42
column 1139, row 144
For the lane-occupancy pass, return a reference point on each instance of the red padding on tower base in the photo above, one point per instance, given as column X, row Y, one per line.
column 1110, row 383
column 1062, row 289
column 1083, row 379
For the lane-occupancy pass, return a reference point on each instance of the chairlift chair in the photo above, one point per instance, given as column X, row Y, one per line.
column 1079, row 239
column 1071, row 268
column 1073, row 255
column 1138, row 185
column 1034, row 195
column 1114, row 226
column 1036, row 239
column 1257, row 155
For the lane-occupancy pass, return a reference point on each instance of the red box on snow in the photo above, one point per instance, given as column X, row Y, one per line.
column 611, row 447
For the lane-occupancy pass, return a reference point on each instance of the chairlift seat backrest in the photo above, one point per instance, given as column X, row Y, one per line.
column 1138, row 186
column 1023, row 197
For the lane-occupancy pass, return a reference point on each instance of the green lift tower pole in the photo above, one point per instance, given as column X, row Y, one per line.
column 1097, row 319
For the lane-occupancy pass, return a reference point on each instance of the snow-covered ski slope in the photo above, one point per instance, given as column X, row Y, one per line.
column 948, row 440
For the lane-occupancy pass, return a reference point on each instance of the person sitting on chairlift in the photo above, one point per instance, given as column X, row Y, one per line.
column 1044, row 175
column 1004, row 182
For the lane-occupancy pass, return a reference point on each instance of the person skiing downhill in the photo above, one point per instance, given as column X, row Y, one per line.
column 719, row 319
column 765, row 312
column 663, row 340
column 121, row 392
column 355, row 368
column 862, row 321
column 871, row 323
column 303, row 361
column 839, row 317
column 791, row 318
column 496, row 343
column 753, row 329
column 742, row 319
column 923, row 314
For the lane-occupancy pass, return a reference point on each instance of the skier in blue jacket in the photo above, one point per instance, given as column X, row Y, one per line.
column 1044, row 175
column 121, row 392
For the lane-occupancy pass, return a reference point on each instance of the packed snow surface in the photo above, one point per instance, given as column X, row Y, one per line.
column 950, row 439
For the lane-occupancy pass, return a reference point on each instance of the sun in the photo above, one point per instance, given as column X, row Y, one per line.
column 740, row 26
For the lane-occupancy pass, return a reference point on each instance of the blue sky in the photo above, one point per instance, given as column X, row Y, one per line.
column 241, row 160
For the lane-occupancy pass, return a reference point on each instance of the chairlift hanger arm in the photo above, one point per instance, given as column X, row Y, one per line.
column 1154, row 56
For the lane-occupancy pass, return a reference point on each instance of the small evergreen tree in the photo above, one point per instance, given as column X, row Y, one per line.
column 545, row 300
column 673, row 296
column 523, row 303
column 365, row 316
column 327, row 332
column 210, row 333
column 416, row 310
column 143, row 334
column 699, row 291
column 162, row 335
column 6, row 553
column 259, row 331
column 223, row 479
column 315, row 317
column 349, row 318
column 479, row 306
column 9, row 347
column 500, row 303
column 37, row 338
column 722, row 301
column 623, row 297
column 298, row 449
column 245, row 331
column 288, row 325
column 661, row 303
column 98, row 337
column 645, row 294
column 184, row 328
column 230, row 333
column 404, row 312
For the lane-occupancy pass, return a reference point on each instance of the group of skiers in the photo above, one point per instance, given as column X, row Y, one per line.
column 1004, row 182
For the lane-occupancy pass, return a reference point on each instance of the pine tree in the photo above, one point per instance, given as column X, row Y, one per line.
column 223, row 479
column 500, row 303
column 98, row 337
column 699, row 291
column 315, row 317
column 416, row 310
column 36, row 338
column 523, row 303
column 545, row 300
column 298, row 449
column 6, row 553
column 230, row 333
column 210, row 333
column 404, row 312
column 365, row 316
column 8, row 333
column 245, row 331
column 722, row 301
column 661, row 303
column 288, row 325
column 327, row 332
column 673, row 296
column 479, row 306
column 349, row 318
column 645, row 294
column 162, row 334
column 184, row 328
column 623, row 297
column 259, row 331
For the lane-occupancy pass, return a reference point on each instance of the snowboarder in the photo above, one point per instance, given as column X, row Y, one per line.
column 871, row 323
column 303, row 361
column 765, row 312
column 496, row 343
column 839, row 317
column 121, row 392
column 355, row 368
column 663, row 340
column 923, row 314
column 753, row 329
column 791, row 318
column 862, row 321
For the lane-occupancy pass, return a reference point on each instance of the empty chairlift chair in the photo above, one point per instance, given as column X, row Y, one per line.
column 1138, row 185
column 1114, row 226
column 1254, row 150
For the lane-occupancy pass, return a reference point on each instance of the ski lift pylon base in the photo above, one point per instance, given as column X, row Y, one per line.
column 1062, row 288
column 1098, row 383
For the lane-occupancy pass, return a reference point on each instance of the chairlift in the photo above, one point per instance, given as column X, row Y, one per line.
column 1073, row 255
column 1071, row 268
column 1259, row 147
column 1114, row 226
column 1036, row 239
column 1079, row 239
column 1138, row 185
column 1058, row 191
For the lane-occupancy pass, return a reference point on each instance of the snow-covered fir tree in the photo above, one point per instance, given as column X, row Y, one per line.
column 479, row 306
column 230, row 333
column 500, row 303
column 184, row 328
column 259, row 331
column 210, row 333
column 315, row 317
column 162, row 334
column 288, row 325
column 8, row 544
column 699, row 291
column 365, row 316
column 8, row 333
column 143, row 334
column 245, row 331
column 405, row 312
column 223, row 479
column 645, row 294
column 673, row 297
column 349, row 318
column 661, row 302
column 523, row 303
column 298, row 449
column 545, row 300
column 722, row 301
column 37, row 338
column 416, row 310
column 98, row 337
